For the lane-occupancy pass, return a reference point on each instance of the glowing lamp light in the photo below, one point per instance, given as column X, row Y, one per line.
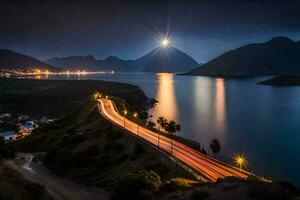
column 240, row 160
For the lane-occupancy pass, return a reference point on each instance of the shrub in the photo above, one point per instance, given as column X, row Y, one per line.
column 76, row 138
column 268, row 191
column 136, row 186
column 178, row 184
column 63, row 157
column 199, row 194
column 119, row 147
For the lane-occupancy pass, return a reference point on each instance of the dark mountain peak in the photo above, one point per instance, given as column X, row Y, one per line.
column 112, row 58
column 281, row 40
column 90, row 57
column 167, row 59
column 277, row 56
column 12, row 60
column 6, row 51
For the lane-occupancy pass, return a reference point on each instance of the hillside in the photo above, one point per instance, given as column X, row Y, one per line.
column 13, row 60
column 166, row 60
column 83, row 146
column 49, row 97
column 279, row 56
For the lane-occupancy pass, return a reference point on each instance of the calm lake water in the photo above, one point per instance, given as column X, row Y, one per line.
column 262, row 122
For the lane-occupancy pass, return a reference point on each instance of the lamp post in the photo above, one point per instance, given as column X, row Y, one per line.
column 137, row 125
column 125, row 113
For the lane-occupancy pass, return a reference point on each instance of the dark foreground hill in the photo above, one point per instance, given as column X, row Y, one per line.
column 279, row 56
column 56, row 97
column 13, row 60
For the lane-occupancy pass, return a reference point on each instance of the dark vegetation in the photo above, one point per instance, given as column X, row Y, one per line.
column 56, row 97
column 215, row 146
column 282, row 81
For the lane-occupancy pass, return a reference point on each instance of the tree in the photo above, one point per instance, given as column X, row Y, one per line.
column 162, row 122
column 172, row 127
column 215, row 146
column 140, row 185
column 151, row 124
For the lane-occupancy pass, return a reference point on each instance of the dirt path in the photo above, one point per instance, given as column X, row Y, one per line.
column 59, row 188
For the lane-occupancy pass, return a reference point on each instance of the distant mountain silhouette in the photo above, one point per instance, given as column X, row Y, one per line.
column 157, row 60
column 116, row 64
column 279, row 56
column 165, row 60
column 13, row 60
column 73, row 63
column 89, row 63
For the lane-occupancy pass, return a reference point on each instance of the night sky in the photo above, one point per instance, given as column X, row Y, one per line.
column 129, row 29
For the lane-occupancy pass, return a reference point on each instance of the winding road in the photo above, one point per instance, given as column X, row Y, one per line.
column 209, row 167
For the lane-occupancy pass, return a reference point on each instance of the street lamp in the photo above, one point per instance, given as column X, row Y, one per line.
column 97, row 96
column 137, row 125
column 125, row 113
column 240, row 160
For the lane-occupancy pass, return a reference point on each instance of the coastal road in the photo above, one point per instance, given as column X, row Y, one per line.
column 209, row 167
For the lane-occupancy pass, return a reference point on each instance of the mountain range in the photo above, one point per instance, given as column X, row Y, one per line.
column 158, row 60
column 279, row 56
column 12, row 60
column 89, row 63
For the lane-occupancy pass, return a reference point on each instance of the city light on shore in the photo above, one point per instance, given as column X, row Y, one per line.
column 38, row 72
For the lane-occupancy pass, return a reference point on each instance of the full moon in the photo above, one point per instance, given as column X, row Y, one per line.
column 165, row 42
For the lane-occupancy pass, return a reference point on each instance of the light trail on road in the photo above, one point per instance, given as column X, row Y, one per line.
column 209, row 167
